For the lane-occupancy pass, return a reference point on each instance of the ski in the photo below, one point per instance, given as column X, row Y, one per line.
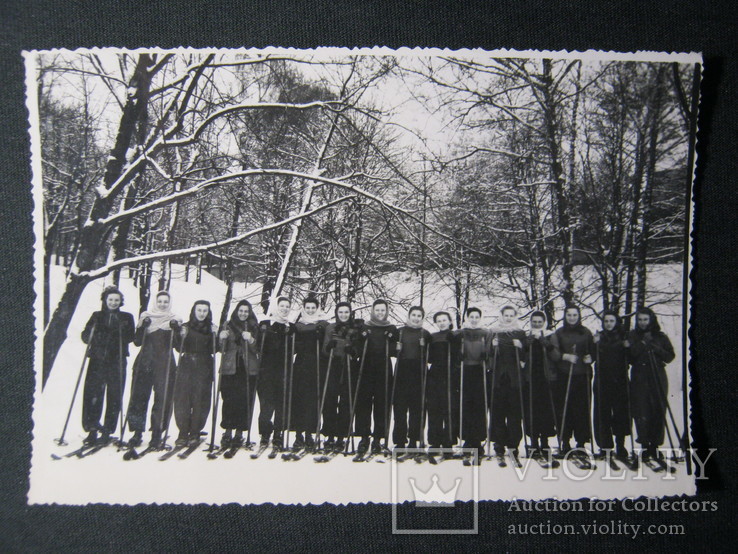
column 73, row 453
column 581, row 460
column 544, row 462
column 214, row 454
column 132, row 454
column 361, row 457
column 612, row 463
column 189, row 450
column 232, row 451
column 631, row 462
column 297, row 456
column 291, row 454
column 514, row 459
column 174, row 451
column 274, row 452
column 657, row 465
column 260, row 451
column 97, row 447
column 327, row 457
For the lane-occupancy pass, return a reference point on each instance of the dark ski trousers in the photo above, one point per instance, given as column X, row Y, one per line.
column 649, row 407
column 305, row 403
column 472, row 431
column 372, row 398
column 407, row 404
column 610, row 411
column 144, row 380
column 443, row 425
column 192, row 394
column 238, row 391
column 506, row 423
column 541, row 416
column 336, row 409
column 577, row 413
column 271, row 401
column 102, row 383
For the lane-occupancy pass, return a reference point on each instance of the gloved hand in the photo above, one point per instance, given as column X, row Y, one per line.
column 571, row 358
column 596, row 338
column 174, row 325
column 224, row 334
column 517, row 344
column 146, row 322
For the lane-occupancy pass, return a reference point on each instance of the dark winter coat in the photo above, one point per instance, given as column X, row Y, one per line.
column 641, row 343
column 572, row 340
column 613, row 357
column 274, row 336
column 537, row 350
column 113, row 331
column 156, row 349
column 237, row 350
column 342, row 338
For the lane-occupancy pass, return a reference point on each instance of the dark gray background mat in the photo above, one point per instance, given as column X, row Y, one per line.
column 553, row 25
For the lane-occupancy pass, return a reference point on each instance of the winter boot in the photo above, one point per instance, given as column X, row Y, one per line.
column 136, row 439
column 376, row 445
column 499, row 449
column 155, row 442
column 329, row 444
column 91, row 438
column 194, row 440
column 182, row 440
column 225, row 440
column 299, row 442
column 237, row 438
column 105, row 437
column 363, row 446
column 564, row 449
column 264, row 440
column 309, row 441
column 339, row 446
column 277, row 441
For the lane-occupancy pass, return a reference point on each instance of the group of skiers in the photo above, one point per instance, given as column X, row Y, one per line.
column 337, row 380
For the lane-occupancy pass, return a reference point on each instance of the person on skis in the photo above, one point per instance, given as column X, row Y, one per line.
column 649, row 352
column 107, row 333
column 153, row 369
column 373, row 396
column 239, row 368
column 474, row 347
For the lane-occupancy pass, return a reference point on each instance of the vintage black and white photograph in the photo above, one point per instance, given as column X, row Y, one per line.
column 370, row 275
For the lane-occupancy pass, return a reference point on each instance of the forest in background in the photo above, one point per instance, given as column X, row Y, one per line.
column 321, row 174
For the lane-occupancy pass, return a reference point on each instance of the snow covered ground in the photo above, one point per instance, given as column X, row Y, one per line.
column 106, row 478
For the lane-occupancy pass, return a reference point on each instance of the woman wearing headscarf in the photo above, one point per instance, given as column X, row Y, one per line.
column 538, row 393
column 107, row 332
column 572, row 350
column 650, row 350
column 611, row 417
column 239, row 367
column 412, row 357
column 338, row 344
column 194, row 377
column 155, row 335
column 504, row 382
column 309, row 360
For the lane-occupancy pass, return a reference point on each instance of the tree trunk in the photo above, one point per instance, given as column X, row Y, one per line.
column 559, row 186
column 92, row 236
